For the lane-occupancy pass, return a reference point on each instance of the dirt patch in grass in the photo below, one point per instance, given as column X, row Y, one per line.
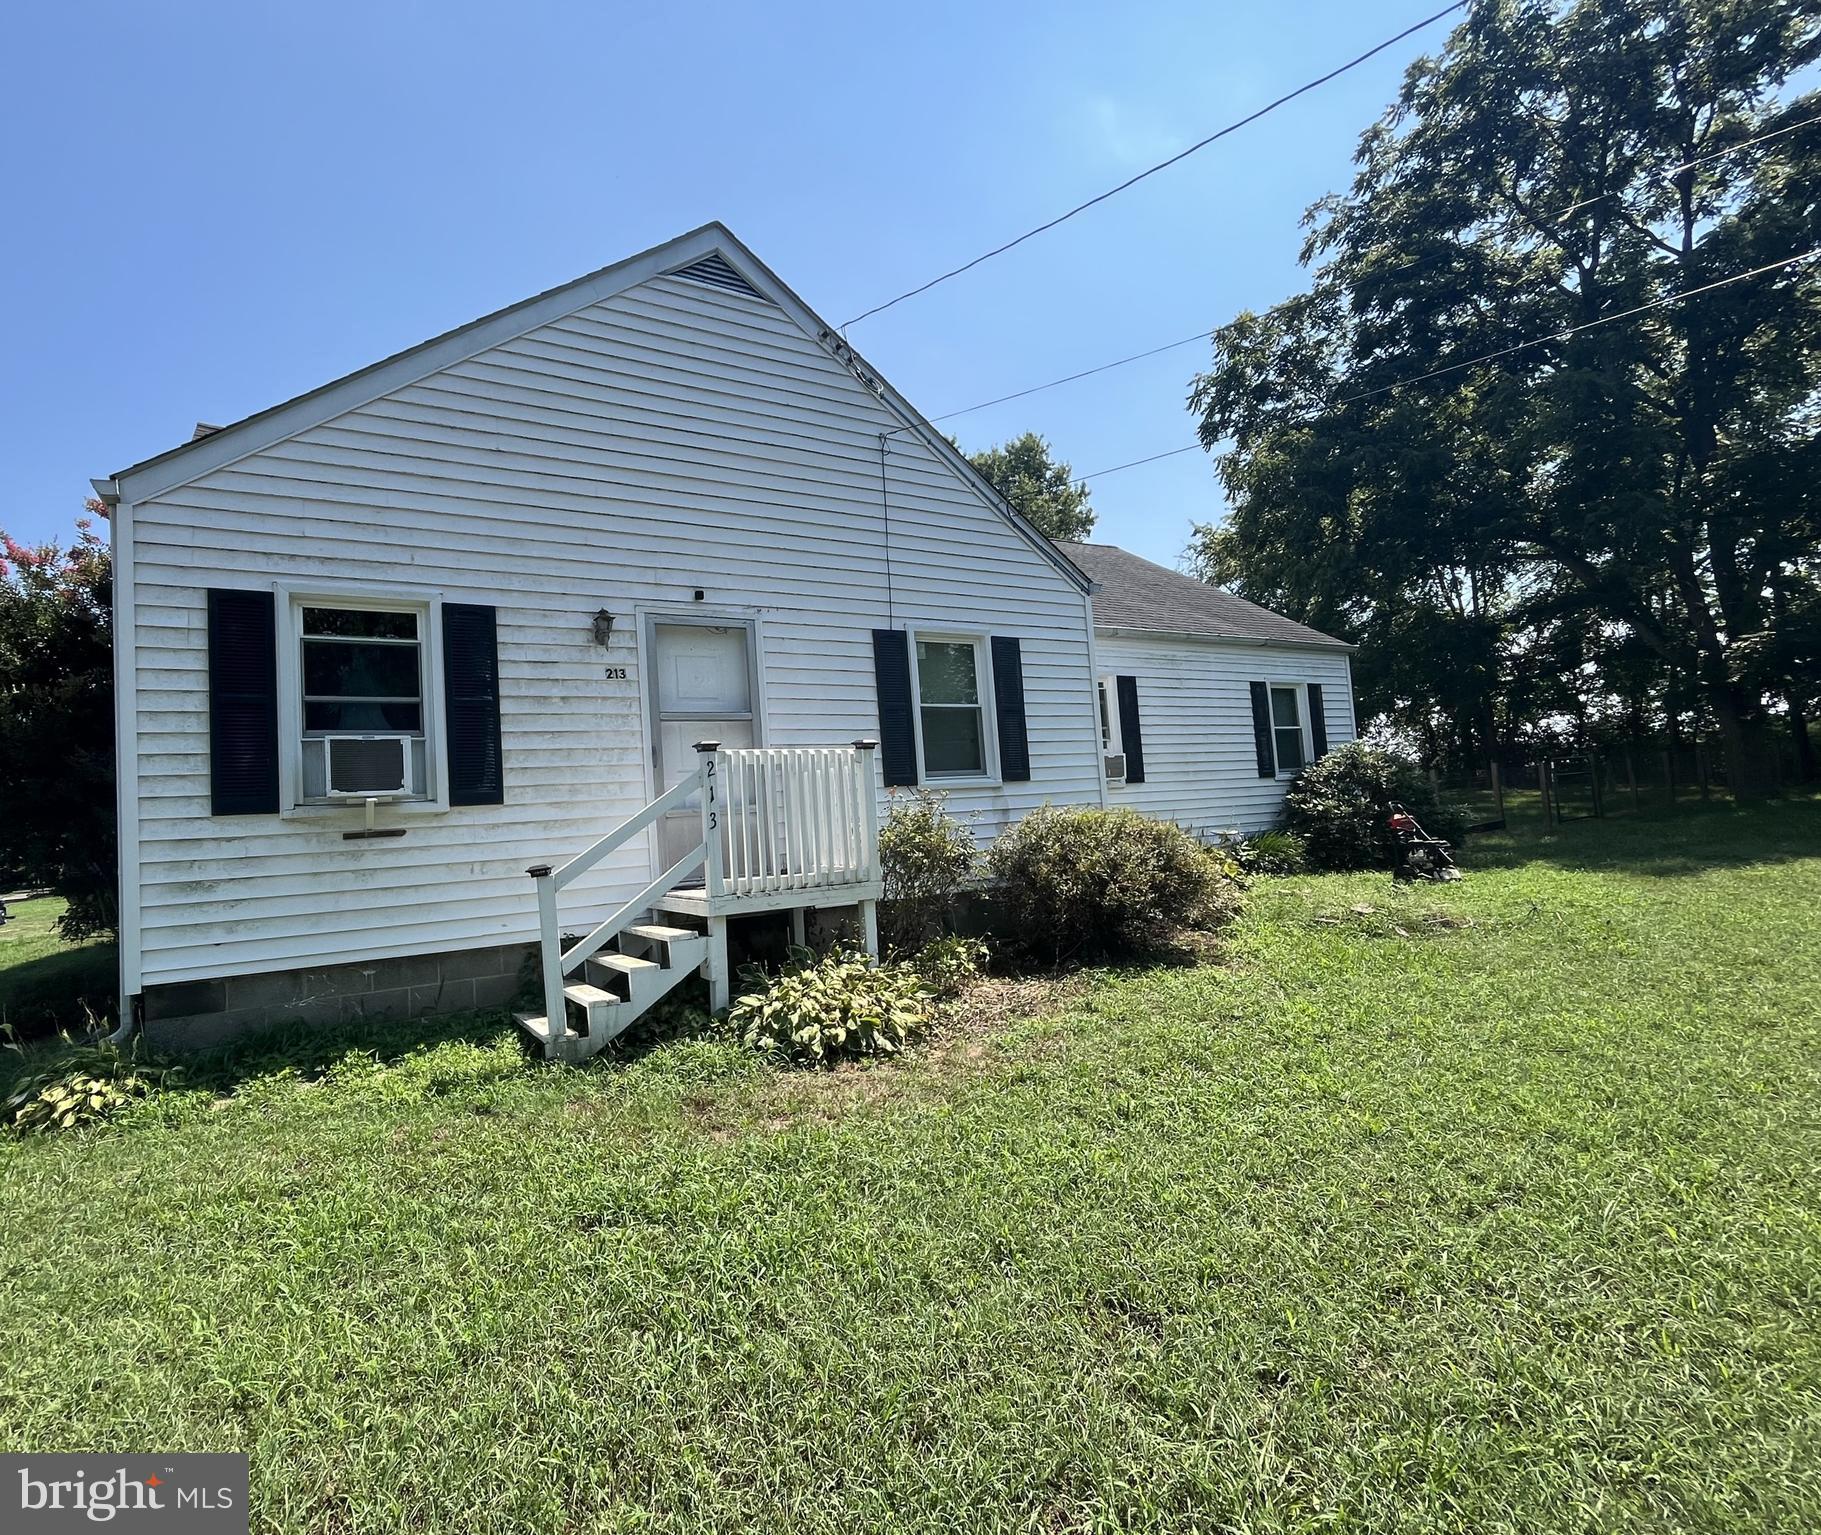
column 959, row 1047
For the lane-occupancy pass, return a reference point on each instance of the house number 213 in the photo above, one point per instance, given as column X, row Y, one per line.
column 616, row 673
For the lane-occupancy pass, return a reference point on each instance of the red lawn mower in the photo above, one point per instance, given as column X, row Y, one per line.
column 1419, row 855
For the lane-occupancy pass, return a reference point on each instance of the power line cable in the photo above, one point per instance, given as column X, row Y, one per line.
column 1168, row 346
column 1560, row 335
column 1202, row 335
column 1161, row 165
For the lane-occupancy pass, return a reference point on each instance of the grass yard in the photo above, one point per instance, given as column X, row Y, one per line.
column 44, row 981
column 1493, row 1207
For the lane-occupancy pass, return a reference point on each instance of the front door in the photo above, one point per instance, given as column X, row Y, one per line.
column 703, row 676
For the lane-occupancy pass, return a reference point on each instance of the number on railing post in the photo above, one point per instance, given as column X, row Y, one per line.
column 711, row 817
column 550, row 950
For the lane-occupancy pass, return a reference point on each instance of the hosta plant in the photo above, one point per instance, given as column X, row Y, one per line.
column 948, row 966
column 81, row 1084
column 821, row 1010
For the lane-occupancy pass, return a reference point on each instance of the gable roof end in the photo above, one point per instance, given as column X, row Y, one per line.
column 710, row 254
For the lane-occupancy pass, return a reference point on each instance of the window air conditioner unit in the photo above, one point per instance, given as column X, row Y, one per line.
column 1116, row 767
column 368, row 767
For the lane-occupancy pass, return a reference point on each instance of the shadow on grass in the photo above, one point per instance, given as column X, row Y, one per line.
column 311, row 1050
column 1665, row 842
column 59, row 990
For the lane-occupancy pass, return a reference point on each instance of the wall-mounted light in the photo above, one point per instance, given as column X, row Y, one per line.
column 603, row 627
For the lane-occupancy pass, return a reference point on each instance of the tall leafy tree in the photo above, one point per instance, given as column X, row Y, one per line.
column 1040, row 488
column 1648, row 480
column 57, row 724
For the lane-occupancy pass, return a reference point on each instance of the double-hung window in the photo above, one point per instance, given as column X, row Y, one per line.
column 951, row 713
column 363, row 680
column 1287, row 729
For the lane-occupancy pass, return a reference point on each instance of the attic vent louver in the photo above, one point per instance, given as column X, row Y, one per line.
column 715, row 271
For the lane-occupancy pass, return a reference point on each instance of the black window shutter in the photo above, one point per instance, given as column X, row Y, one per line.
column 1261, row 730
column 897, row 729
column 1008, row 703
column 471, row 704
column 243, row 703
column 1131, row 737
column 1318, row 721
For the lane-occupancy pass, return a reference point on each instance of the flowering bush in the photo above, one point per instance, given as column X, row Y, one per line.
column 57, row 724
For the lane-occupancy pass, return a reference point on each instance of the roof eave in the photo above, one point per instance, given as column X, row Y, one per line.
column 1131, row 632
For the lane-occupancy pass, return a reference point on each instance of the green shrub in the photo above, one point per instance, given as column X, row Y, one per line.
column 1274, row 852
column 925, row 858
column 1341, row 807
column 75, row 1085
column 821, row 1010
column 948, row 966
column 1103, row 883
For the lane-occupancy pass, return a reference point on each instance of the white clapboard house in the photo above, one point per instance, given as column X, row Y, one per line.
column 580, row 632
column 1209, row 704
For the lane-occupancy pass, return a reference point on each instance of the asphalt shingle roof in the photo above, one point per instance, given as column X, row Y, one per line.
column 1135, row 594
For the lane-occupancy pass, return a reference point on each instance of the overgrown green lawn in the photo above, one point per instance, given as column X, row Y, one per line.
column 1492, row 1207
column 44, row 981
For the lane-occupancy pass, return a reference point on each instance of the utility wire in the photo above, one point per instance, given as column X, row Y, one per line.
column 1133, row 181
column 1168, row 346
column 1202, row 335
column 1560, row 335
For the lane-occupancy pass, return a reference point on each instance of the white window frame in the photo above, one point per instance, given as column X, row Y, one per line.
column 989, row 713
column 1301, row 690
column 1112, row 736
column 428, row 606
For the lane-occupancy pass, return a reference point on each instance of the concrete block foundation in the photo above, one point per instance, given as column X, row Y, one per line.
column 199, row 1015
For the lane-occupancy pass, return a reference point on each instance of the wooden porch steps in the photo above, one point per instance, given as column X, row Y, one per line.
column 621, row 988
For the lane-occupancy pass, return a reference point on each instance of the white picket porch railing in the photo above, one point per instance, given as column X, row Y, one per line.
column 781, row 827
column 797, row 819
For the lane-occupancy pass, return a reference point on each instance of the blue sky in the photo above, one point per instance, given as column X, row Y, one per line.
column 213, row 207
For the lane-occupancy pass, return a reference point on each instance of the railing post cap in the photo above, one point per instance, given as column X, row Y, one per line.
column 865, row 744
column 708, row 746
column 539, row 870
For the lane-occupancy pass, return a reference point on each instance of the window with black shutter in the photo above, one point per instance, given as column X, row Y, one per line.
column 243, row 703
column 1131, row 733
column 1008, row 706
column 897, row 724
column 471, row 694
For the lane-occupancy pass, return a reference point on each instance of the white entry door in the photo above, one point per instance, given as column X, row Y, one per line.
column 703, row 676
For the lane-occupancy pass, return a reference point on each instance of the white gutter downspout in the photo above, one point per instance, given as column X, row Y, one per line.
column 108, row 492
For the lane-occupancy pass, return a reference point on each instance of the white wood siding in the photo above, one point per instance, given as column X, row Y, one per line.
column 674, row 437
column 1195, row 714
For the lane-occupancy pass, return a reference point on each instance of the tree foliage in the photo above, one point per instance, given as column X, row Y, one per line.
column 57, row 725
column 1040, row 488
column 1623, row 520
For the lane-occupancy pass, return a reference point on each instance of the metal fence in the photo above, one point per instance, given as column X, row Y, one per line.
column 1576, row 785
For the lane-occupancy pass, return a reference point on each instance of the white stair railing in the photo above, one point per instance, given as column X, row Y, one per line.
column 774, row 820
column 558, row 962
